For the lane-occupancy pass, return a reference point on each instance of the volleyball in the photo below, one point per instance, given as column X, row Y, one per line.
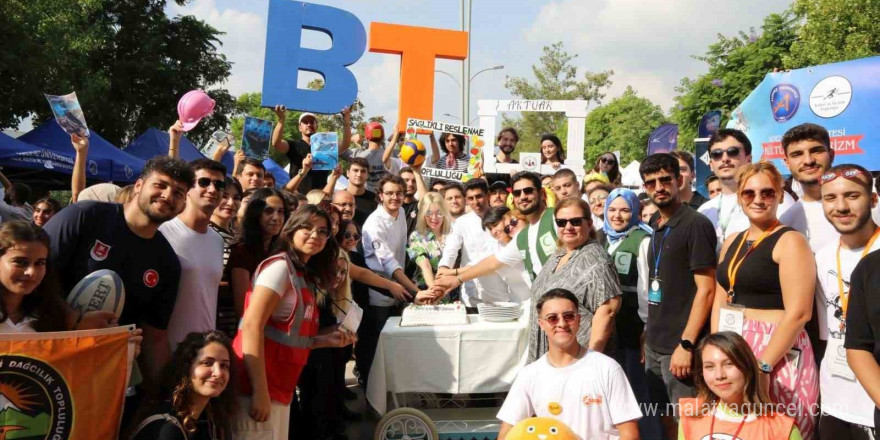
column 412, row 152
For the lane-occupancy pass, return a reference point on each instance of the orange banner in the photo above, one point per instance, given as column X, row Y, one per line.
column 65, row 385
column 842, row 145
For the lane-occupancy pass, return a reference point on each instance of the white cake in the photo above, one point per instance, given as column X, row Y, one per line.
column 431, row 315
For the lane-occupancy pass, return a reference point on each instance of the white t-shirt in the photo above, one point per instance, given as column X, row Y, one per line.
column 26, row 325
column 842, row 398
column 276, row 277
column 593, row 392
column 512, row 256
column 201, row 268
column 727, row 216
column 819, row 230
column 475, row 244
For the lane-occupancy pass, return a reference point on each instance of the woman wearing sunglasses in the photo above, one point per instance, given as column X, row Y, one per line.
column 628, row 239
column 730, row 401
column 582, row 266
column 552, row 152
column 766, row 281
column 607, row 165
column 426, row 243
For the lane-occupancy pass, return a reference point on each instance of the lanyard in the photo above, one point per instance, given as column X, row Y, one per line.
column 844, row 294
column 654, row 249
column 735, row 264
column 738, row 429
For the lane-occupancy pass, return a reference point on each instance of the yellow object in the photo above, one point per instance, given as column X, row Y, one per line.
column 413, row 152
column 551, row 197
column 541, row 428
column 555, row 408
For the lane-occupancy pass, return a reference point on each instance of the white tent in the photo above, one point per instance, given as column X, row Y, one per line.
column 630, row 175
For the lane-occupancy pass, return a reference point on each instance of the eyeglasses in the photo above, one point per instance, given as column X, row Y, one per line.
column 665, row 181
column 849, row 174
column 323, row 233
column 510, row 226
column 608, row 160
column 529, row 190
column 397, row 194
column 436, row 214
column 719, row 153
column 766, row 194
column 568, row 317
column 352, row 236
column 205, row 182
column 576, row 221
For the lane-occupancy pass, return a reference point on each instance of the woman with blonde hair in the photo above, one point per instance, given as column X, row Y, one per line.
column 766, row 282
column 426, row 242
column 730, row 400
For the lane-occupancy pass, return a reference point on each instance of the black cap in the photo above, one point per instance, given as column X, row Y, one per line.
column 498, row 184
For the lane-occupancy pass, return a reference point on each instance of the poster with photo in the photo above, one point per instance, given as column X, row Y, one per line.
column 68, row 113
column 256, row 136
column 325, row 151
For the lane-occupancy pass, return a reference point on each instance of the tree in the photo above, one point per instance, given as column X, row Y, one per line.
column 556, row 80
column 127, row 60
column 834, row 30
column 736, row 66
column 622, row 124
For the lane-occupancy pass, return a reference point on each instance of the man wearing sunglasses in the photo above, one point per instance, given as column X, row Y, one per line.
column 681, row 286
column 584, row 389
column 729, row 149
column 200, row 251
column 808, row 155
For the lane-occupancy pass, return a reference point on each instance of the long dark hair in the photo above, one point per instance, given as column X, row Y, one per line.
column 250, row 232
column 177, row 383
column 560, row 152
column 321, row 267
column 44, row 303
column 614, row 173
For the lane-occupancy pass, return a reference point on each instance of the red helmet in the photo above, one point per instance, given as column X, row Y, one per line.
column 374, row 131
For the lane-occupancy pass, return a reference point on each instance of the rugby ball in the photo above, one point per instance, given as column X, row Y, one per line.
column 99, row 290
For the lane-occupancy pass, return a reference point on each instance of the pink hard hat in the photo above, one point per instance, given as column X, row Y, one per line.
column 192, row 107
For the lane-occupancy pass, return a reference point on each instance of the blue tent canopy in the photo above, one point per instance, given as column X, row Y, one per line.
column 18, row 154
column 105, row 161
column 154, row 142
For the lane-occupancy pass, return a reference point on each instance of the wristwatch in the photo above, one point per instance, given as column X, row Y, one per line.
column 687, row 345
column 301, row 171
column 765, row 367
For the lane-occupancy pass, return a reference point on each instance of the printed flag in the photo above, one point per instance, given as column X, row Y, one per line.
column 64, row 385
column 664, row 139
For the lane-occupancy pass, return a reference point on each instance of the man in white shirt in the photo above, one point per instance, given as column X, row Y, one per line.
column 475, row 244
column 808, row 154
column 584, row 389
column 847, row 199
column 729, row 149
column 384, row 241
column 200, row 252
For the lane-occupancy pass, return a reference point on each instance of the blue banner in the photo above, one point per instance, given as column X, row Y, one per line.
column 709, row 124
column 664, row 139
column 842, row 97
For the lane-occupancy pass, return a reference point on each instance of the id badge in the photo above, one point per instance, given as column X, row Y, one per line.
column 730, row 318
column 655, row 293
column 837, row 354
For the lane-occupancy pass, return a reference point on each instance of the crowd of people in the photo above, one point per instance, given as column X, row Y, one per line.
column 655, row 312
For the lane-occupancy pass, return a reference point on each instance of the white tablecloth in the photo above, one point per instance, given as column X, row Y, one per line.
column 480, row 357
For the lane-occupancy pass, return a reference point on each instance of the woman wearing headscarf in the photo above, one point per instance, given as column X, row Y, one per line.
column 627, row 243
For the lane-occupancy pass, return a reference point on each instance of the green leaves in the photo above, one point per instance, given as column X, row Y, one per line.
column 623, row 124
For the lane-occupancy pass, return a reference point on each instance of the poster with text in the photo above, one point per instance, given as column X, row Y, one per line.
column 69, row 114
column 255, row 137
column 325, row 151
column 842, row 97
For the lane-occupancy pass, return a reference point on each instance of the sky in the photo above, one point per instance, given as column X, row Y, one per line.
column 649, row 44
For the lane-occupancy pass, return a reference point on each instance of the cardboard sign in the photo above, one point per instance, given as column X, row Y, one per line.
column 69, row 114
column 437, row 173
column 325, row 151
column 419, row 125
column 530, row 162
column 255, row 137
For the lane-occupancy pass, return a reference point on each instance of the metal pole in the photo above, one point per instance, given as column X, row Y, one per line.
column 467, row 84
column 463, row 68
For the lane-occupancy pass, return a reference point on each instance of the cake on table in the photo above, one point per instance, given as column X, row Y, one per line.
column 431, row 315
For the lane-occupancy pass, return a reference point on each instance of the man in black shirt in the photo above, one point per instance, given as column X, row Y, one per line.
column 364, row 200
column 862, row 341
column 297, row 149
column 681, row 285
column 686, row 167
column 89, row 236
column 410, row 204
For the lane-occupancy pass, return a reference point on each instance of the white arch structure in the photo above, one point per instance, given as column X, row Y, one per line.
column 575, row 111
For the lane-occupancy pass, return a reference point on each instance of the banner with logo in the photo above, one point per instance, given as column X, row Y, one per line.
column 842, row 97
column 664, row 139
column 64, row 385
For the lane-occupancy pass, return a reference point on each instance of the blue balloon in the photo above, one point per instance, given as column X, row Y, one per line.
column 285, row 57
